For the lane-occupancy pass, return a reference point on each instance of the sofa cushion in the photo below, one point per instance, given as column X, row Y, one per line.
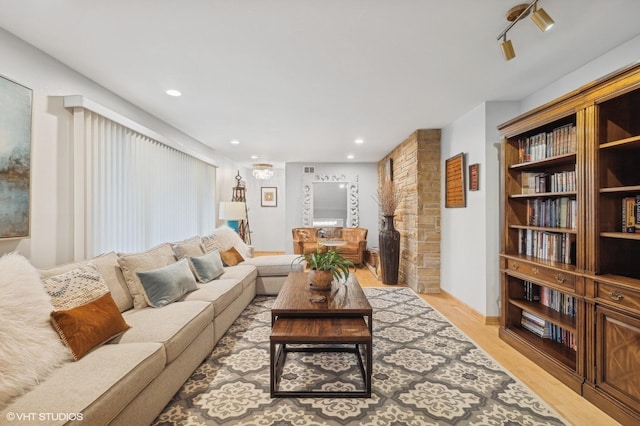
column 167, row 284
column 231, row 257
column 175, row 325
column 220, row 294
column 107, row 265
column 30, row 349
column 244, row 273
column 75, row 287
column 277, row 265
column 207, row 267
column 189, row 247
column 154, row 258
column 86, row 327
column 99, row 387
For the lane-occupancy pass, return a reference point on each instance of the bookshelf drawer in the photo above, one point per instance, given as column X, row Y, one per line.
column 543, row 274
column 621, row 297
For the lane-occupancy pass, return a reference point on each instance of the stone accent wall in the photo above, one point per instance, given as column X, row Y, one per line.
column 416, row 171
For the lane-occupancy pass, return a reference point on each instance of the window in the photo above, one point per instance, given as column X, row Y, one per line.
column 136, row 191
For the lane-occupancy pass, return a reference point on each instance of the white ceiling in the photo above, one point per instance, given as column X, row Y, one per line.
column 300, row 80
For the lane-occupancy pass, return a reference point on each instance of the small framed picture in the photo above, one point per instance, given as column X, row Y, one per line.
column 269, row 196
column 474, row 177
column 454, row 189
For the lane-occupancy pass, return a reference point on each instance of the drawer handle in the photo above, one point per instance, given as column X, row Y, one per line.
column 615, row 295
column 560, row 278
column 515, row 266
column 534, row 270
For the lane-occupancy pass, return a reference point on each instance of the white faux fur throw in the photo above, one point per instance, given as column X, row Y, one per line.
column 29, row 346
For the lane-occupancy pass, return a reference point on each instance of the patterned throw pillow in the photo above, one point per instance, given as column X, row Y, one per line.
column 85, row 315
column 209, row 243
column 76, row 287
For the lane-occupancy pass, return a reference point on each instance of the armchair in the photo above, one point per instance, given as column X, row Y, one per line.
column 305, row 240
column 356, row 244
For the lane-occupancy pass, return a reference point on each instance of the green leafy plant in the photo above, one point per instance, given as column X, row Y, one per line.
column 330, row 260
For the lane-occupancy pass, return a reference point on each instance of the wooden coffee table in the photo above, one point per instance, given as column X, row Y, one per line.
column 344, row 318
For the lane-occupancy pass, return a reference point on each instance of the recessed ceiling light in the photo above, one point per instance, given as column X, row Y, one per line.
column 235, row 142
column 359, row 141
column 350, row 156
column 173, row 92
column 254, row 157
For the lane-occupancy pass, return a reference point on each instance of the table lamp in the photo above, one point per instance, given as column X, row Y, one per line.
column 232, row 212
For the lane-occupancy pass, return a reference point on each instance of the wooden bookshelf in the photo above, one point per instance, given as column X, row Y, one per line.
column 602, row 272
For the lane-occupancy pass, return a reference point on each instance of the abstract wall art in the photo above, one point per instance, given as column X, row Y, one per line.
column 15, row 159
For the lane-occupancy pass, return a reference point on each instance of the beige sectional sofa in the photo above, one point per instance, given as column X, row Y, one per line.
column 130, row 379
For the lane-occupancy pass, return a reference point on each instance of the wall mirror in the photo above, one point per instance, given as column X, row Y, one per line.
column 330, row 201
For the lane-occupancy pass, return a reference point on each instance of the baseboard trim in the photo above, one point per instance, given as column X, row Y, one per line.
column 486, row 320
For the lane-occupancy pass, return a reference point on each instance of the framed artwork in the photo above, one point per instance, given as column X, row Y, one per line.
column 454, row 194
column 474, row 177
column 15, row 159
column 269, row 196
column 388, row 169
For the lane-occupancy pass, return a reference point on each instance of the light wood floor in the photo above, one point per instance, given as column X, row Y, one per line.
column 567, row 403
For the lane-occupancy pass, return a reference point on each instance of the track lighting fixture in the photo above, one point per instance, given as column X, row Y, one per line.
column 517, row 13
column 507, row 49
column 541, row 18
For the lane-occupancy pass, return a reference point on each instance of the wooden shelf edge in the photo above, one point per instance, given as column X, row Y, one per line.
column 621, row 235
column 558, row 159
column 546, row 313
column 548, row 363
column 559, row 266
column 545, row 229
column 632, row 142
column 617, row 189
column 567, row 194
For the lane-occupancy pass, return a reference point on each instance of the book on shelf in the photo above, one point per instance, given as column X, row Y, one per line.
column 559, row 247
column 629, row 210
column 560, row 141
column 552, row 212
column 538, row 183
column 637, row 213
column 543, row 331
column 531, row 291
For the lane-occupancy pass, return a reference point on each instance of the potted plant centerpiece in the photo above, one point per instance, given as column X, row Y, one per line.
column 325, row 266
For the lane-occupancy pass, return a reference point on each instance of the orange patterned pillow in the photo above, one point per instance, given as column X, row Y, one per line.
column 231, row 257
column 88, row 326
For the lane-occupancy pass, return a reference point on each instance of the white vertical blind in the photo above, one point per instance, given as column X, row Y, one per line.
column 137, row 191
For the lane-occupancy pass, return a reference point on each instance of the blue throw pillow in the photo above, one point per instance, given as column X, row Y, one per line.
column 207, row 267
column 167, row 284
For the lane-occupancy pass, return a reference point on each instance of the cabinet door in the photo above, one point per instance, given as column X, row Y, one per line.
column 618, row 355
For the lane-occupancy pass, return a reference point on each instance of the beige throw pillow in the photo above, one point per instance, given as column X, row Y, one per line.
column 187, row 248
column 154, row 258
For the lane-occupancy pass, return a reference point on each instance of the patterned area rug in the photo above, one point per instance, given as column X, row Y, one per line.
column 425, row 372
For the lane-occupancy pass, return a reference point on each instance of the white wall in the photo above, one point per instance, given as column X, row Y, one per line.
column 51, row 201
column 626, row 54
column 267, row 224
column 367, row 174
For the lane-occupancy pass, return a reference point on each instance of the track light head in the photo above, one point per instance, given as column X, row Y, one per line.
column 517, row 13
column 507, row 49
column 541, row 18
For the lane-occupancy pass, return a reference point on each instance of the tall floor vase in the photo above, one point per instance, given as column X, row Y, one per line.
column 389, row 240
